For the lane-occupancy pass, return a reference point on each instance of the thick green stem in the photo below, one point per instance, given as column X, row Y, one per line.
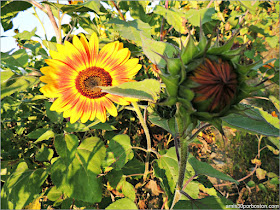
column 182, row 163
column 148, row 137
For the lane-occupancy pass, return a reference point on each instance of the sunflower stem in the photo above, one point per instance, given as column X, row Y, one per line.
column 148, row 137
column 119, row 11
column 185, row 137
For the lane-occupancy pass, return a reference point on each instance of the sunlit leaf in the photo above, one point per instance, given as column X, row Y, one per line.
column 75, row 173
column 131, row 29
column 147, row 89
column 254, row 120
column 152, row 48
column 119, row 152
column 124, row 203
column 22, row 186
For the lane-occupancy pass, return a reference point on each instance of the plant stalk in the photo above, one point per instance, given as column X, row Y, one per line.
column 148, row 137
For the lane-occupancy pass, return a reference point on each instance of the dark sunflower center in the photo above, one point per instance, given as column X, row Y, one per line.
column 217, row 84
column 88, row 80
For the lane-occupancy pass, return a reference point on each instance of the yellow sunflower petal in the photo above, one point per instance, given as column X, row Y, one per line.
column 106, row 53
column 94, row 48
column 78, row 110
column 87, row 111
column 100, row 111
column 117, row 99
column 49, row 91
column 110, row 107
column 81, row 48
column 93, row 112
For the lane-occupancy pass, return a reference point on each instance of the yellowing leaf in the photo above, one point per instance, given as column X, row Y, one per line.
column 36, row 204
column 260, row 173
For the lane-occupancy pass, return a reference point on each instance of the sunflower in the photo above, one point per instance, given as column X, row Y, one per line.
column 76, row 71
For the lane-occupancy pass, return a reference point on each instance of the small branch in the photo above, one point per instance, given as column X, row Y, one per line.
column 162, row 23
column 117, row 8
column 240, row 180
column 47, row 9
column 161, row 29
column 208, row 6
column 241, row 19
column 188, row 181
column 153, row 151
column 148, row 137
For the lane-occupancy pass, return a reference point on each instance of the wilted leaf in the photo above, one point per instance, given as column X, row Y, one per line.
column 260, row 173
column 153, row 187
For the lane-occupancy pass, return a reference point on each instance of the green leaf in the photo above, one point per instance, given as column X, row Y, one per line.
column 119, row 152
column 189, row 51
column 22, row 187
column 128, row 190
column 250, row 5
column 131, row 29
column 88, row 6
column 18, row 58
column 45, row 136
column 272, row 41
column 147, row 89
column 50, row 45
column 174, row 17
column 44, row 153
column 26, row 35
column 5, row 75
column 206, row 169
column 81, row 127
column 66, row 146
column 54, row 194
column 124, row 203
column 194, row 16
column 192, row 190
column 152, row 48
column 114, row 177
column 93, row 5
column 53, row 115
column 16, row 84
column 254, row 120
column 133, row 166
column 9, row 10
column 163, row 123
column 75, row 172
column 209, row 202
column 41, row 134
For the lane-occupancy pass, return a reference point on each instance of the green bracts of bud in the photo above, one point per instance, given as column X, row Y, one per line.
column 174, row 66
column 171, row 83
